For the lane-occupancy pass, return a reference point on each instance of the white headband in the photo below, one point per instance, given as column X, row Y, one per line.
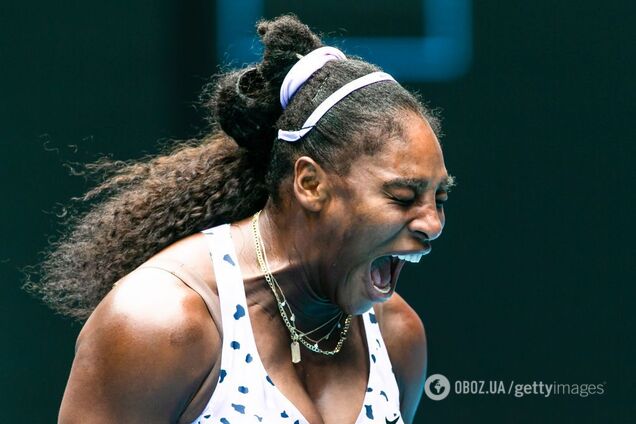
column 330, row 101
column 305, row 68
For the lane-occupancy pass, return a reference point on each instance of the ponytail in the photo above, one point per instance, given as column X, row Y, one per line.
column 144, row 206
column 147, row 206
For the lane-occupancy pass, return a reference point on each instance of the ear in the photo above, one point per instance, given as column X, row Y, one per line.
column 311, row 185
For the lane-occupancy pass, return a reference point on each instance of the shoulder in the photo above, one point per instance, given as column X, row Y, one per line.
column 405, row 338
column 402, row 330
column 152, row 304
column 147, row 347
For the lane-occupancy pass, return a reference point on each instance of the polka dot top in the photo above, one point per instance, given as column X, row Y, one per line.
column 245, row 393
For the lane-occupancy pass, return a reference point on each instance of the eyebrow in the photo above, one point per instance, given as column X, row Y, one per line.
column 448, row 183
column 418, row 184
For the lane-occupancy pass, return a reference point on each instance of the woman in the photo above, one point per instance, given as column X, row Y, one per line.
column 288, row 314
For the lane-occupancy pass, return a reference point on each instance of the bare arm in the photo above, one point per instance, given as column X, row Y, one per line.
column 405, row 337
column 142, row 354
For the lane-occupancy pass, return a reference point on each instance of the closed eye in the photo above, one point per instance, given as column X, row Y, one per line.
column 439, row 201
column 403, row 202
column 404, row 198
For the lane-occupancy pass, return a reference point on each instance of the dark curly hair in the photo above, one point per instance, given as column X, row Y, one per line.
column 143, row 206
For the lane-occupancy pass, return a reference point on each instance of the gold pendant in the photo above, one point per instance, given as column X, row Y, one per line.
column 295, row 352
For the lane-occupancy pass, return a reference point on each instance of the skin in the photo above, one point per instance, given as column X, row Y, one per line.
column 143, row 354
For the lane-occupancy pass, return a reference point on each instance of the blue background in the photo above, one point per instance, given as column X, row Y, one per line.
column 533, row 279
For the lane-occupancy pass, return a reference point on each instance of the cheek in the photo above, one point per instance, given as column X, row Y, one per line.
column 369, row 235
column 360, row 222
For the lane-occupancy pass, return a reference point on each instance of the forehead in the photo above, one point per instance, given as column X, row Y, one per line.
column 416, row 155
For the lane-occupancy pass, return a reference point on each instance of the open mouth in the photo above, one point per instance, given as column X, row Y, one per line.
column 385, row 271
column 384, row 274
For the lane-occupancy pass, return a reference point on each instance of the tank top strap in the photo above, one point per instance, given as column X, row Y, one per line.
column 229, row 280
column 237, row 331
column 382, row 388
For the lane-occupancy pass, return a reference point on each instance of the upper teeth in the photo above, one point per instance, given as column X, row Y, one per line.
column 413, row 257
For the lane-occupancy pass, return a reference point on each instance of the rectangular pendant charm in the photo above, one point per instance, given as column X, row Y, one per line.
column 295, row 352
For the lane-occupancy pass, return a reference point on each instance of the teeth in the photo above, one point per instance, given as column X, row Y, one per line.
column 413, row 257
column 383, row 290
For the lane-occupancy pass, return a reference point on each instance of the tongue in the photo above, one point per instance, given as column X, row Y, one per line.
column 381, row 272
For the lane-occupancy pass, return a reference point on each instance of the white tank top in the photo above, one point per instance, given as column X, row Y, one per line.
column 244, row 392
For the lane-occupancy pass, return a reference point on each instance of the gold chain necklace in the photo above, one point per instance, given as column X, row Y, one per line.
column 289, row 320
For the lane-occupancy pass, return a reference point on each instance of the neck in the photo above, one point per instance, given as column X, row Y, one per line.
column 292, row 261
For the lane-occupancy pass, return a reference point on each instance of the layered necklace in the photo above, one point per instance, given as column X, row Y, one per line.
column 297, row 336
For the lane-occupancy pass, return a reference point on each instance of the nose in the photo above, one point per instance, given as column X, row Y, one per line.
column 428, row 222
